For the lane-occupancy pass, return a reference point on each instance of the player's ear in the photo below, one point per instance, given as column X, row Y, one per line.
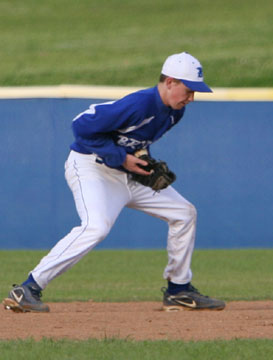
column 168, row 82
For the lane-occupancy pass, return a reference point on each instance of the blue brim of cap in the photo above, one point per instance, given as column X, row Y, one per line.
column 197, row 86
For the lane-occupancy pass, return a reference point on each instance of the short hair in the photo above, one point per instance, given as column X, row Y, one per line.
column 163, row 77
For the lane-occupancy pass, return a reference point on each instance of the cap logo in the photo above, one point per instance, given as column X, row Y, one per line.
column 200, row 72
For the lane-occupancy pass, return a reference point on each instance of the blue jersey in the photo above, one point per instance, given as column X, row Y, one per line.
column 115, row 128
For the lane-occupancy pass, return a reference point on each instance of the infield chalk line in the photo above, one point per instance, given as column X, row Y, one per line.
column 117, row 92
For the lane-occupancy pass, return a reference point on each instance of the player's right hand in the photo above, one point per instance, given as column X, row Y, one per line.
column 131, row 164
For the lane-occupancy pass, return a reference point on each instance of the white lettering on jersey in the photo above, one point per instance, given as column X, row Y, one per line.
column 132, row 143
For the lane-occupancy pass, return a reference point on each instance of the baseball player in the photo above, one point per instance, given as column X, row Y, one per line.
column 104, row 172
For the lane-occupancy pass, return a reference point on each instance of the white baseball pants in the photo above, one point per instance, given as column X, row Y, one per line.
column 100, row 193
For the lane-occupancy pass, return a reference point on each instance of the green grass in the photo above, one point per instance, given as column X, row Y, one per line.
column 116, row 349
column 136, row 275
column 124, row 42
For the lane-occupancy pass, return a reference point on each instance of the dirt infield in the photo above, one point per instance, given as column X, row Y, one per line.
column 139, row 321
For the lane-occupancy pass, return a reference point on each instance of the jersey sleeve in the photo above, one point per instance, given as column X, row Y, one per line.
column 93, row 130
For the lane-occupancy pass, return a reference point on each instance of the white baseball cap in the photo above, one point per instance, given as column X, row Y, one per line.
column 186, row 68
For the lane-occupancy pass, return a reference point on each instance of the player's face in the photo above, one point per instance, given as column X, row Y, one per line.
column 178, row 95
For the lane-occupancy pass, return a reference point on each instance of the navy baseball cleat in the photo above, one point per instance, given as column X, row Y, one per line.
column 25, row 298
column 190, row 299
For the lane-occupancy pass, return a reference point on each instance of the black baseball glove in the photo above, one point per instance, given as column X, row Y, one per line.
column 160, row 177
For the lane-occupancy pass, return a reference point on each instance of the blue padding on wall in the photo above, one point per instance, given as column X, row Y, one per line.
column 222, row 153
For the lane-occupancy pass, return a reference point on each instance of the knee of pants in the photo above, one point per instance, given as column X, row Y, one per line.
column 188, row 214
column 192, row 212
column 97, row 231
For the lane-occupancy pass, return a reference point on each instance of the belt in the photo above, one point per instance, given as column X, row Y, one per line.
column 98, row 159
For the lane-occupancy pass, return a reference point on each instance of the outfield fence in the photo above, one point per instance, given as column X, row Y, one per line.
column 222, row 153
